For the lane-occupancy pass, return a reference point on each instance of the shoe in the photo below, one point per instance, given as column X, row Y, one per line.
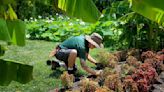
column 75, row 68
column 55, row 65
column 48, row 62
column 71, row 72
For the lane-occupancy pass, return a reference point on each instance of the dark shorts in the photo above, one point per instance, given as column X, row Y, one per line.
column 63, row 55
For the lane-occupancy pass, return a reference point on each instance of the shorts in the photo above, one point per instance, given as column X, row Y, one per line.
column 63, row 54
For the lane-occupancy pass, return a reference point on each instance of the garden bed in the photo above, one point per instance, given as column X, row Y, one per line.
column 138, row 73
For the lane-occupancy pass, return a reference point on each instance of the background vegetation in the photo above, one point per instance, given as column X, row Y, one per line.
column 120, row 26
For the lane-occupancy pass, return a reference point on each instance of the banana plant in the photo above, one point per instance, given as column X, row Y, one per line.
column 152, row 9
column 140, row 32
column 10, row 70
column 82, row 9
column 12, row 30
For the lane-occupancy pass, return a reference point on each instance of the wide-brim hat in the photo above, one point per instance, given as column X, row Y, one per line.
column 95, row 39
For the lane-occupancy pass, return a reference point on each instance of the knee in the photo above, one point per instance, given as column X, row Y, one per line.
column 74, row 52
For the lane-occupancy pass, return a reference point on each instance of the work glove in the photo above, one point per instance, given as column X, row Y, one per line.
column 99, row 66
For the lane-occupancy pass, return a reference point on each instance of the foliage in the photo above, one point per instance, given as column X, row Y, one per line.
column 130, row 85
column 113, row 82
column 56, row 28
column 132, row 29
column 60, row 27
column 103, row 89
column 107, row 59
column 132, row 61
column 153, row 10
column 153, row 59
column 105, row 27
column 107, row 24
column 14, row 71
column 12, row 32
column 82, row 9
column 140, row 32
column 2, row 50
column 102, row 4
column 136, row 79
column 12, row 29
column 120, row 27
column 88, row 85
column 32, row 8
column 67, row 80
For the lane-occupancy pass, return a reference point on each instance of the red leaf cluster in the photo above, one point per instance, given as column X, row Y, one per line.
column 147, row 54
column 113, row 82
column 143, row 77
column 156, row 60
column 132, row 61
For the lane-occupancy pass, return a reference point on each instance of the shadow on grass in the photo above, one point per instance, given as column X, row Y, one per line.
column 56, row 73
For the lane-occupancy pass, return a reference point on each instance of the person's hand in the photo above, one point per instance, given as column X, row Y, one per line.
column 99, row 66
column 98, row 72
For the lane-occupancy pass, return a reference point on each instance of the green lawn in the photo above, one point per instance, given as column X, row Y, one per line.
column 36, row 53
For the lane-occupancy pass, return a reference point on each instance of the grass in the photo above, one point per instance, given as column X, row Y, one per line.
column 36, row 53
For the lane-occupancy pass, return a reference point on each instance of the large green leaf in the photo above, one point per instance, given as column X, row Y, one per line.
column 82, row 9
column 152, row 9
column 10, row 70
column 17, row 31
column 12, row 31
column 6, row 2
column 4, row 34
column 24, row 73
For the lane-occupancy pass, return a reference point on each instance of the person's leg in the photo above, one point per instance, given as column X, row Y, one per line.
column 71, row 61
column 69, row 57
column 72, row 58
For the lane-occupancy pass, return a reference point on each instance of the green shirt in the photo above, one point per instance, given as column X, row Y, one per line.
column 79, row 43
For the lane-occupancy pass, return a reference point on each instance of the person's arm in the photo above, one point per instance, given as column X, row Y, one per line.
column 91, row 59
column 89, row 70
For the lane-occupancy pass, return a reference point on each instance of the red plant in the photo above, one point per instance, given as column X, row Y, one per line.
column 150, row 61
column 88, row 85
column 67, row 80
column 142, row 85
column 147, row 54
column 144, row 76
column 134, row 52
column 121, row 55
column 113, row 82
column 130, row 84
column 156, row 62
column 103, row 89
column 132, row 61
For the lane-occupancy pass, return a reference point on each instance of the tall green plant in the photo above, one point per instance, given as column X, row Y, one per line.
column 12, row 31
column 82, row 9
column 153, row 10
column 140, row 32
